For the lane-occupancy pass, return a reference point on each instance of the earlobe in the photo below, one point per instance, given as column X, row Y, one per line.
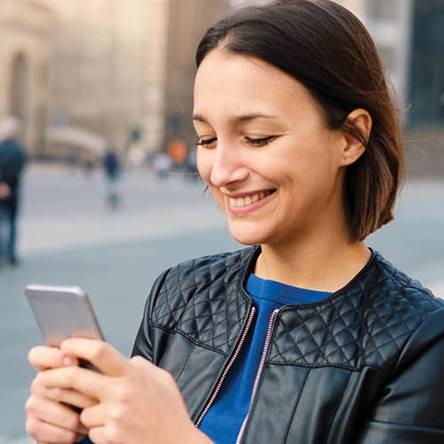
column 356, row 135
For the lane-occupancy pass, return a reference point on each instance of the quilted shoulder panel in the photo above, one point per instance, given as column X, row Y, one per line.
column 201, row 298
column 366, row 323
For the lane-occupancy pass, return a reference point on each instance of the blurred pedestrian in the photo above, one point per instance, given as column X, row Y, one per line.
column 162, row 165
column 112, row 169
column 178, row 153
column 12, row 162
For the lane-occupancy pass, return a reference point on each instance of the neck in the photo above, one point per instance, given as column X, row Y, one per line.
column 323, row 265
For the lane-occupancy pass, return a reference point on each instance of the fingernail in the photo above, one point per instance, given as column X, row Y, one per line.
column 68, row 361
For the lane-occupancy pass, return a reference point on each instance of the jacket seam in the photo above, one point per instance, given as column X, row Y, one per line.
column 354, row 369
column 191, row 339
column 427, row 314
column 185, row 362
column 407, row 343
column 335, row 409
column 161, row 282
column 408, row 284
column 293, row 413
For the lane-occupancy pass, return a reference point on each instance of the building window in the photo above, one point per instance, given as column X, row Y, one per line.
column 427, row 64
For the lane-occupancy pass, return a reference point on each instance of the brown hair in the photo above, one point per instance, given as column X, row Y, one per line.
column 326, row 48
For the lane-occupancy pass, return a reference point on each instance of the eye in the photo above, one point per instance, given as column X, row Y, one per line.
column 206, row 142
column 259, row 141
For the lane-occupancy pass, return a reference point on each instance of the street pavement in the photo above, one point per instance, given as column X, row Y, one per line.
column 69, row 237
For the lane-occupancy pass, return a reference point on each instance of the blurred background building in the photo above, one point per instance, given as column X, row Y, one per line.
column 26, row 30
column 86, row 74
column 83, row 75
column 410, row 39
column 108, row 73
column 188, row 21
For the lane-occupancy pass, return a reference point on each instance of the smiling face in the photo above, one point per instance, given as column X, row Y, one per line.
column 265, row 151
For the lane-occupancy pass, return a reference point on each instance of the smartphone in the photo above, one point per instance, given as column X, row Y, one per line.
column 63, row 312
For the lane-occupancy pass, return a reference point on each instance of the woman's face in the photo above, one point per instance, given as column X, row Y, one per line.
column 263, row 148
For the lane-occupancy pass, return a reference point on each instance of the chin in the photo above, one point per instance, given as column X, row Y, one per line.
column 249, row 234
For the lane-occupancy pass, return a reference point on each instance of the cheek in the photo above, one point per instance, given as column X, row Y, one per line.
column 218, row 197
column 204, row 165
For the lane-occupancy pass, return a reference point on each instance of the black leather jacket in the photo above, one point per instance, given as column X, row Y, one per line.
column 364, row 366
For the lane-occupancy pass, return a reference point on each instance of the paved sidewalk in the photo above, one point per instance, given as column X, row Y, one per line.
column 4, row 440
column 151, row 209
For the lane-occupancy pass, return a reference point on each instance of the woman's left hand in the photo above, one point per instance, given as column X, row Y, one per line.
column 137, row 401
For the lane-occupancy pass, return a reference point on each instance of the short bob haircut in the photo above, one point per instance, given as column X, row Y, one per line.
column 328, row 50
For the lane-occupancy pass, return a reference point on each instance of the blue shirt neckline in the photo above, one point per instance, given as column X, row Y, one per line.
column 283, row 294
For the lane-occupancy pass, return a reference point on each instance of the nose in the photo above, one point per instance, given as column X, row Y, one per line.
column 228, row 166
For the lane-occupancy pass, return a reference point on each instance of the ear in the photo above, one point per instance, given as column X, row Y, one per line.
column 353, row 148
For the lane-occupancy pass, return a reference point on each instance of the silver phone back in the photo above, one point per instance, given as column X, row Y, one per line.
column 62, row 312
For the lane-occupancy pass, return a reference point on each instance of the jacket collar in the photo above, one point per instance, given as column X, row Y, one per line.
column 356, row 282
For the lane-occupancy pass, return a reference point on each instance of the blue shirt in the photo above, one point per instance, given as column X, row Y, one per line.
column 224, row 420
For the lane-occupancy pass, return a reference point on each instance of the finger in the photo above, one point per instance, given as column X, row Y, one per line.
column 90, row 383
column 46, row 433
column 108, row 434
column 94, row 416
column 70, row 397
column 101, row 354
column 142, row 363
column 43, row 357
column 69, row 361
column 65, row 396
column 98, row 435
column 55, row 414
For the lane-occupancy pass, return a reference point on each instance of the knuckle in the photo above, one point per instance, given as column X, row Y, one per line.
column 59, row 394
column 55, row 394
column 101, row 350
column 118, row 412
column 122, row 394
column 35, row 386
column 138, row 360
column 32, row 428
column 166, row 377
column 30, row 405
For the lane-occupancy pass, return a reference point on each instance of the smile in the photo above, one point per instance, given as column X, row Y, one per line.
column 245, row 201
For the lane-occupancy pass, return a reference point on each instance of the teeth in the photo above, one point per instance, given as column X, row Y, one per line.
column 240, row 202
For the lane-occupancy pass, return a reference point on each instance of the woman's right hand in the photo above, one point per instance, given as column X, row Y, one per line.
column 49, row 417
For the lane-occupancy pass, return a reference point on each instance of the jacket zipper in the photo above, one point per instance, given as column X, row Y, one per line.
column 227, row 368
column 259, row 372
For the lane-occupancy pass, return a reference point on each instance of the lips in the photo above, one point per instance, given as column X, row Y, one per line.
column 251, row 199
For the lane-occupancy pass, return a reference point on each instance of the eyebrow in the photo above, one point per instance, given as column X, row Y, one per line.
column 237, row 119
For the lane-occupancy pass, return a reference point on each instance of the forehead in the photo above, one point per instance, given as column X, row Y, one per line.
column 238, row 83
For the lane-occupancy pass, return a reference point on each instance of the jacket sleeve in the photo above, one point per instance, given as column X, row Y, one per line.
column 411, row 407
column 143, row 345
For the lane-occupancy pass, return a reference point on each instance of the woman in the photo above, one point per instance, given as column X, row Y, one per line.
column 306, row 336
